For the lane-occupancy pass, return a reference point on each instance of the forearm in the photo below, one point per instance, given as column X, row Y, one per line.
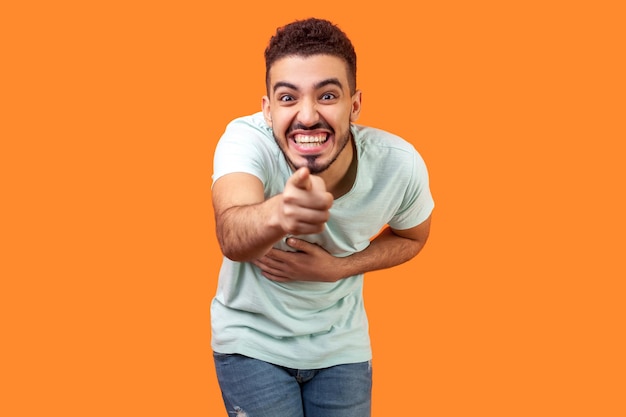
column 385, row 251
column 248, row 225
column 248, row 232
column 311, row 262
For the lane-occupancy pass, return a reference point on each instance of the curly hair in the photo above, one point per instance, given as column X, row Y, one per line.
column 309, row 37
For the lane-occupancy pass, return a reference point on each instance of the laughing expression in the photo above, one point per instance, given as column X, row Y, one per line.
column 310, row 108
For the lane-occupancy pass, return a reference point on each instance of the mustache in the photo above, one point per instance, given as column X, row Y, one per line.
column 318, row 125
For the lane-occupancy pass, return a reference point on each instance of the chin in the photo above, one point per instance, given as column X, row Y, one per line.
column 315, row 165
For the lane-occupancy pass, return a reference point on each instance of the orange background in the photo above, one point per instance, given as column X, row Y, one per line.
column 110, row 114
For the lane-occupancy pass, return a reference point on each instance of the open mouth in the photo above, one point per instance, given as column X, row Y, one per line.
column 310, row 141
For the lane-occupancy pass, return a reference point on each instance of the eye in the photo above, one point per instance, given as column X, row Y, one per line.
column 328, row 96
column 285, row 98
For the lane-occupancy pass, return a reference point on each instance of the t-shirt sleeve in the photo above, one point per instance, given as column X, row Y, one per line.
column 243, row 148
column 417, row 203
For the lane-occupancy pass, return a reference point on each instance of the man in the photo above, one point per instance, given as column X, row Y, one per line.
column 301, row 195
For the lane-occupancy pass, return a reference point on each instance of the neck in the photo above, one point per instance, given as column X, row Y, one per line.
column 340, row 177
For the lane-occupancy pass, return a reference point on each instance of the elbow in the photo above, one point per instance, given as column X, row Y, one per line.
column 238, row 254
column 232, row 253
column 228, row 246
column 235, row 257
column 414, row 248
column 419, row 244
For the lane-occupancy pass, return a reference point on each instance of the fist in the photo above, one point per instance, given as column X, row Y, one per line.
column 306, row 204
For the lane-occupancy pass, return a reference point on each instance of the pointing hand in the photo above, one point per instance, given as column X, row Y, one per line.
column 305, row 204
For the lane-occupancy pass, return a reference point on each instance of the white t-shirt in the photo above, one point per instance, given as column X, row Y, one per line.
column 308, row 325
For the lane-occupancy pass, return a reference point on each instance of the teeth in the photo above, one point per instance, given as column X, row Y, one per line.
column 310, row 140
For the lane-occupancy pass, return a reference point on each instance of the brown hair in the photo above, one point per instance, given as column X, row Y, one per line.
column 309, row 37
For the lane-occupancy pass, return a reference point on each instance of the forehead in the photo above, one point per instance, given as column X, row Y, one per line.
column 305, row 72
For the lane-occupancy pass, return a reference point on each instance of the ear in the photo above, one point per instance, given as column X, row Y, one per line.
column 265, row 105
column 356, row 106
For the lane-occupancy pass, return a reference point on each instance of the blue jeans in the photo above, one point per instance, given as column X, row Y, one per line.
column 254, row 388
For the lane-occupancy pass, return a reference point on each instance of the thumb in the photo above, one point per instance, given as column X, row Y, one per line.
column 302, row 179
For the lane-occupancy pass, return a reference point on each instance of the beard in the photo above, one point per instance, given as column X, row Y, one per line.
column 312, row 161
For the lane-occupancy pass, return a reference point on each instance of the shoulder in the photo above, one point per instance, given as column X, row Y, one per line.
column 247, row 145
column 374, row 139
column 254, row 123
column 383, row 148
column 248, row 135
column 388, row 156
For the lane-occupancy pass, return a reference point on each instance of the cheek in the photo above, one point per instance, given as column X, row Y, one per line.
column 344, row 115
column 279, row 127
column 342, row 120
column 280, row 120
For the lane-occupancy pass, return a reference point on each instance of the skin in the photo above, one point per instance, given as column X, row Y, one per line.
column 307, row 98
column 310, row 97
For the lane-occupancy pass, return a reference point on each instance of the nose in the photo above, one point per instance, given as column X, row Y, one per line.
column 307, row 113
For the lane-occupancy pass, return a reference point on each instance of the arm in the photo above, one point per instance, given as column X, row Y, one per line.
column 390, row 248
column 247, row 225
column 312, row 263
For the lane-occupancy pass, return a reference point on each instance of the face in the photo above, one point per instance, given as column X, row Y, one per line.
column 310, row 108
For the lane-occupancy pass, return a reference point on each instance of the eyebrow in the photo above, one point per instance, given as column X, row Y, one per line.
column 323, row 83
